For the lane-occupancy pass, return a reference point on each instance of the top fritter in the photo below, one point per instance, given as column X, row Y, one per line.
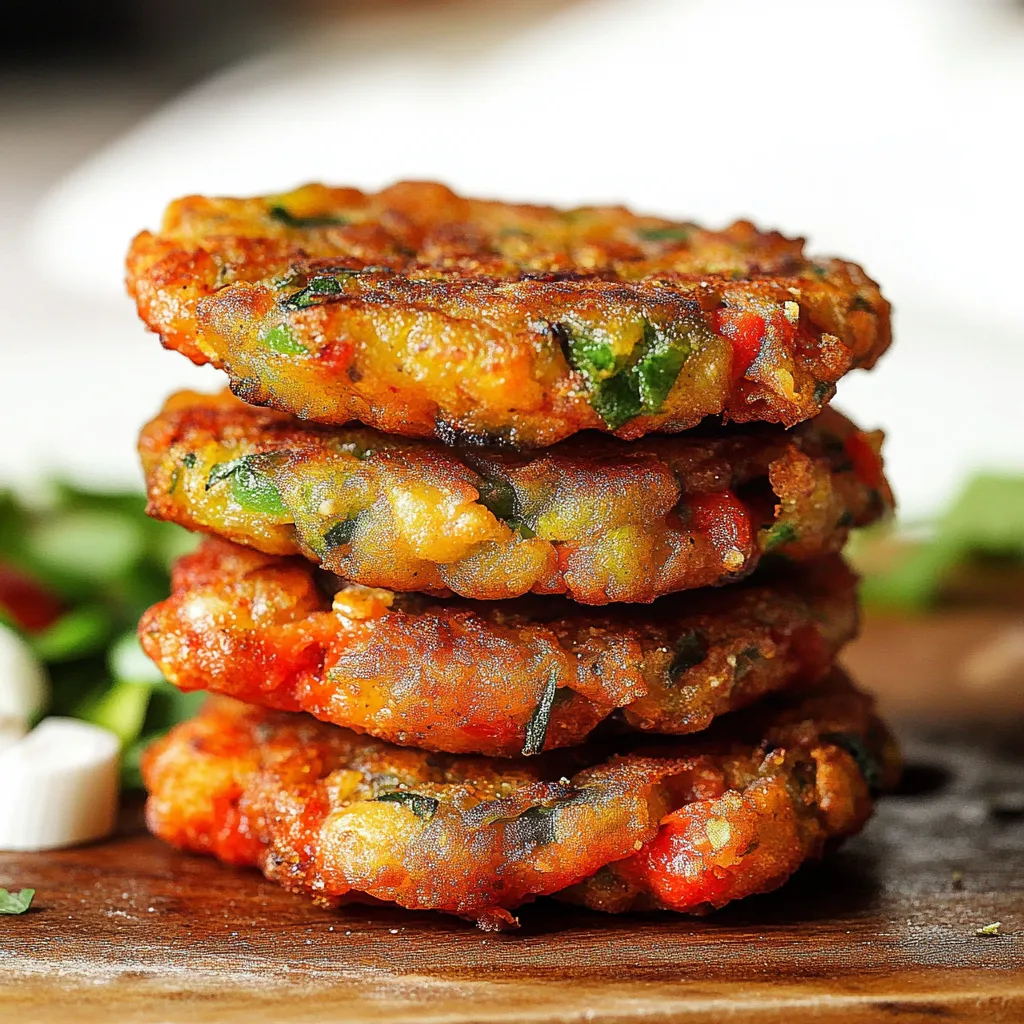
column 422, row 313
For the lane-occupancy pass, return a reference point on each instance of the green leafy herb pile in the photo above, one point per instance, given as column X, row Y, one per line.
column 98, row 562
column 908, row 570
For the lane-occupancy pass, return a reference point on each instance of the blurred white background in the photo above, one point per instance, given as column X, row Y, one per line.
column 886, row 131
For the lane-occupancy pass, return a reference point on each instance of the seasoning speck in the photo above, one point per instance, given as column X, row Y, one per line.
column 989, row 929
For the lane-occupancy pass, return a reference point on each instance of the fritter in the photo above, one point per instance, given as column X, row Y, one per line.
column 419, row 312
column 686, row 826
column 498, row 678
column 597, row 518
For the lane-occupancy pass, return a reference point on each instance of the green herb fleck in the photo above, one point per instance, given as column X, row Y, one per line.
column 623, row 386
column 537, row 727
column 340, row 533
column 250, row 487
column 280, row 339
column 691, row 649
column 855, row 746
column 423, row 807
column 592, row 355
column 667, row 233
column 658, row 367
column 175, row 477
column 189, row 460
column 320, row 288
column 284, row 216
column 524, row 530
column 779, row 535
column 616, row 401
column 989, row 929
column 861, row 305
column 822, row 392
column 16, row 902
column 497, row 495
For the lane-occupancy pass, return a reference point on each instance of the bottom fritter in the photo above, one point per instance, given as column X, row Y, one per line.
column 686, row 825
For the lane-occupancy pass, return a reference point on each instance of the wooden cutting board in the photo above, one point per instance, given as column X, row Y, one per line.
column 887, row 929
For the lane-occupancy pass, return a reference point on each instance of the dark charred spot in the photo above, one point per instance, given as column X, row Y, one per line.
column 534, row 827
column 424, row 807
column 823, row 391
column 690, row 650
column 248, row 389
column 455, row 436
column 746, row 660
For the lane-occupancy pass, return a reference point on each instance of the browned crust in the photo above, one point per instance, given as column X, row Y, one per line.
column 452, row 315
column 690, row 825
column 595, row 518
column 496, row 678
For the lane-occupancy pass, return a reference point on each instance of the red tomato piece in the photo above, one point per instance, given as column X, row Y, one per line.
column 867, row 463
column 725, row 519
column 31, row 606
column 746, row 330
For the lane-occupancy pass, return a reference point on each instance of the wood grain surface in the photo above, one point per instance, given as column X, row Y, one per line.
column 886, row 929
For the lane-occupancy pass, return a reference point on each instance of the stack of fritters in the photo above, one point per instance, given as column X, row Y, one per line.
column 555, row 410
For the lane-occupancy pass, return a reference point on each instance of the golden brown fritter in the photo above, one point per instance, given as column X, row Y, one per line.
column 596, row 518
column 423, row 313
column 504, row 678
column 687, row 826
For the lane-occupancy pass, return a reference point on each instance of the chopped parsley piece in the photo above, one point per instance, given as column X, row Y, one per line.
column 524, row 530
column 989, row 929
column 16, row 902
column 624, row 384
column 324, row 220
column 320, row 288
column 537, row 727
column 252, row 489
column 616, row 401
column 658, row 367
column 189, row 460
column 778, row 535
column 497, row 495
column 666, row 233
column 340, row 533
column 280, row 339
column 424, row 807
